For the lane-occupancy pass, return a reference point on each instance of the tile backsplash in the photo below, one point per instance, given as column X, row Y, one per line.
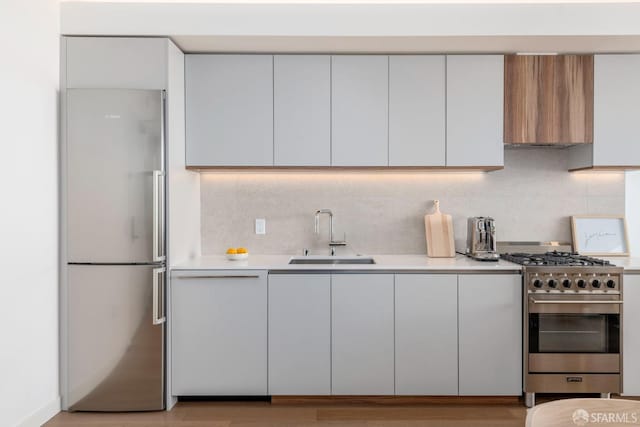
column 531, row 199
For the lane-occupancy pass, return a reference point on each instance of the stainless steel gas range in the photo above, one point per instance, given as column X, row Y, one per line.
column 572, row 324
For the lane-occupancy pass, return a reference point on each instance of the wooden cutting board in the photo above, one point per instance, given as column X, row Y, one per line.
column 439, row 232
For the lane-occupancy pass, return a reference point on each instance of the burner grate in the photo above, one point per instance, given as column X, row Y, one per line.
column 555, row 258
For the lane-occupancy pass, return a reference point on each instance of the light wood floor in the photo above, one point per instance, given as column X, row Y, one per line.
column 259, row 414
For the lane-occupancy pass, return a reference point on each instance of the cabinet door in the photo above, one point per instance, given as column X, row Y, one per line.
column 474, row 110
column 548, row 99
column 631, row 335
column 528, row 99
column 416, row 110
column 426, row 334
column 616, row 140
column 362, row 334
column 299, row 334
column 302, row 110
column 229, row 102
column 116, row 62
column 490, row 335
column 359, row 110
column 219, row 332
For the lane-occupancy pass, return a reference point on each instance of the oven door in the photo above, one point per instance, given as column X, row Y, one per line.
column 574, row 333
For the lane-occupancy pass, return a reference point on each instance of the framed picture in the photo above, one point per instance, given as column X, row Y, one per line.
column 600, row 235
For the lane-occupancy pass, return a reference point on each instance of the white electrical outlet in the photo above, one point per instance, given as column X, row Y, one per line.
column 261, row 226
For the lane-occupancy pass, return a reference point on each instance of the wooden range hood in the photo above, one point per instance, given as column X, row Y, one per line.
column 548, row 99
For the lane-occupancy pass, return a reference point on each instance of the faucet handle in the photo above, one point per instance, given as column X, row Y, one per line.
column 342, row 242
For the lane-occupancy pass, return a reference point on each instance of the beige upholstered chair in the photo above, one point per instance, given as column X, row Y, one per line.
column 585, row 412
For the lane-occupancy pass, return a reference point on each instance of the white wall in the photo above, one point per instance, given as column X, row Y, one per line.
column 377, row 18
column 184, row 185
column 29, row 41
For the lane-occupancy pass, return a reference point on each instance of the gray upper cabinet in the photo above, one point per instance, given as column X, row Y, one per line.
column 344, row 110
column 490, row 334
column 360, row 101
column 362, row 334
column 417, row 110
column 302, row 110
column 229, row 109
column 116, row 62
column 616, row 110
column 616, row 104
column 475, row 101
column 426, row 325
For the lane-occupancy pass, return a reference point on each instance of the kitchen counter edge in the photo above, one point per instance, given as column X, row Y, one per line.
column 384, row 263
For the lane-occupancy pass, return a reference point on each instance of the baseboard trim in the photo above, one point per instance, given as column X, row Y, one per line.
column 42, row 415
column 626, row 397
column 396, row 400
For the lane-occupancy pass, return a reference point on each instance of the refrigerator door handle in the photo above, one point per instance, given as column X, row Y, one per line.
column 158, row 216
column 163, row 225
column 158, row 296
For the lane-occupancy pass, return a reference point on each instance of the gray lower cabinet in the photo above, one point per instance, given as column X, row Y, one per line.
column 417, row 110
column 490, row 334
column 302, row 110
column 362, row 334
column 246, row 333
column 475, row 105
column 426, row 334
column 631, row 335
column 299, row 334
column 229, row 110
column 219, row 332
column 359, row 110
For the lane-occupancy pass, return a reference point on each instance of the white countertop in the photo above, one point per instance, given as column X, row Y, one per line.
column 383, row 262
column 630, row 264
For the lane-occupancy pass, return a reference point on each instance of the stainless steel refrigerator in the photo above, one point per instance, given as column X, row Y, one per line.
column 114, row 221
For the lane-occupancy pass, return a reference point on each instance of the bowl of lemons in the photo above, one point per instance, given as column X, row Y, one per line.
column 237, row 254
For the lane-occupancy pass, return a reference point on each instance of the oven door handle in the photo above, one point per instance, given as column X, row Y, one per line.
column 549, row 301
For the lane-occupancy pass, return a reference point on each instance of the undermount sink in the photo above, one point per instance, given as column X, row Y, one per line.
column 332, row 260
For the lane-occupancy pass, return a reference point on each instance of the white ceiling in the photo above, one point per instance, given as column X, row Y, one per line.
column 408, row 26
column 361, row 1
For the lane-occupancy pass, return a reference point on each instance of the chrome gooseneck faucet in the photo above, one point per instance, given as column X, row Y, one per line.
column 332, row 243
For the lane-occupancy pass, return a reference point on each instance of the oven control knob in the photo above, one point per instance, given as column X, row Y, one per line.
column 537, row 283
column 566, row 283
column 581, row 283
column 595, row 283
column 552, row 283
column 611, row 284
